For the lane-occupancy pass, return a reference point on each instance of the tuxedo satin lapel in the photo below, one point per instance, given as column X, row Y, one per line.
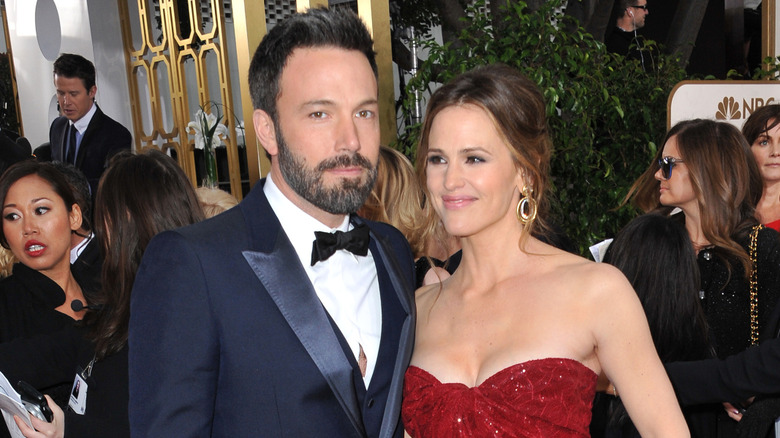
column 404, row 291
column 286, row 282
column 403, row 288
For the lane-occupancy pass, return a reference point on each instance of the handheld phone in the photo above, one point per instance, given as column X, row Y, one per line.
column 35, row 402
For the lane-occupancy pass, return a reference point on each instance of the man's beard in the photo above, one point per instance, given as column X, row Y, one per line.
column 344, row 198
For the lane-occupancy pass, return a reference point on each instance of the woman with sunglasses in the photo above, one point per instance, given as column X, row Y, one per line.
column 703, row 176
column 762, row 131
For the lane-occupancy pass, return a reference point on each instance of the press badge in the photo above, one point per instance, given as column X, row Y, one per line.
column 78, row 394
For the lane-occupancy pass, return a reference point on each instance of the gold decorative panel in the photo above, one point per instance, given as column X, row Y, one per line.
column 176, row 53
column 182, row 54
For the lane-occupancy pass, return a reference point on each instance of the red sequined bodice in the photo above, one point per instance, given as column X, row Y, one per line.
column 539, row 398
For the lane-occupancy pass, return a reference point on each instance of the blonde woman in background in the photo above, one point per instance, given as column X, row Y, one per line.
column 396, row 198
column 214, row 201
column 7, row 260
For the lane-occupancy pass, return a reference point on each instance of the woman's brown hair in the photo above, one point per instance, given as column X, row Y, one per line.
column 760, row 122
column 724, row 176
column 396, row 198
column 138, row 197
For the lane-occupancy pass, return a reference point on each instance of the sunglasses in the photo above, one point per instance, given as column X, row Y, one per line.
column 644, row 7
column 667, row 164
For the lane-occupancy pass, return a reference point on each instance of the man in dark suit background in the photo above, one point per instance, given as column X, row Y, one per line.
column 86, row 262
column 244, row 324
column 12, row 151
column 95, row 136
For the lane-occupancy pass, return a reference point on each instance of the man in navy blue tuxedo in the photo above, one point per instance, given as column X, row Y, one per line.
column 245, row 325
column 83, row 135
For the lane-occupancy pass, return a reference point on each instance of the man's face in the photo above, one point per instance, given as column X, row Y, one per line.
column 639, row 11
column 327, row 130
column 74, row 99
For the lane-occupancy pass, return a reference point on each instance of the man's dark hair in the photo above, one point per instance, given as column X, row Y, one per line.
column 78, row 181
column 338, row 28
column 623, row 5
column 70, row 65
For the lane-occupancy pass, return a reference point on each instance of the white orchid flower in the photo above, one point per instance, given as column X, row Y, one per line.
column 221, row 132
column 240, row 134
column 203, row 125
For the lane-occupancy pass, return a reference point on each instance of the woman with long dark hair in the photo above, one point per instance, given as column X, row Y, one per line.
column 138, row 197
column 656, row 256
column 706, row 170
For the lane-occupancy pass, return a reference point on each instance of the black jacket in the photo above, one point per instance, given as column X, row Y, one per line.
column 51, row 359
column 103, row 138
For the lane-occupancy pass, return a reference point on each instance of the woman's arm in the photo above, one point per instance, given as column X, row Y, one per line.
column 628, row 357
column 751, row 372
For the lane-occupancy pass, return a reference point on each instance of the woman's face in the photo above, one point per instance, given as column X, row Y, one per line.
column 677, row 191
column 470, row 174
column 38, row 225
column 766, row 149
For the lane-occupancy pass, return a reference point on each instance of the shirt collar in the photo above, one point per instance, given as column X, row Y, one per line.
column 296, row 223
column 82, row 123
column 76, row 251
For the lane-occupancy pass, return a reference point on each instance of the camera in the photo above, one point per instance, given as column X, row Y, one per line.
column 34, row 402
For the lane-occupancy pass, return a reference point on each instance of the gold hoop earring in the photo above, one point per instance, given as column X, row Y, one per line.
column 526, row 208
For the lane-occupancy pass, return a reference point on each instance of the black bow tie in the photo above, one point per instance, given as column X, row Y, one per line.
column 326, row 244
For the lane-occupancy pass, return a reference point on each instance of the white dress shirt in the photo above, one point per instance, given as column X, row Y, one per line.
column 346, row 284
column 76, row 251
column 81, row 126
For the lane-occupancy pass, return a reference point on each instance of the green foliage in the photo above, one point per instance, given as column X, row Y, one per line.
column 419, row 14
column 605, row 113
column 770, row 70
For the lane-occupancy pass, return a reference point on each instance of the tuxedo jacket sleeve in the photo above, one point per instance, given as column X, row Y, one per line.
column 228, row 338
column 752, row 372
column 167, row 299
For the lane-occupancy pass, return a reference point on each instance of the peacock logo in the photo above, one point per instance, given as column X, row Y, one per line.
column 728, row 109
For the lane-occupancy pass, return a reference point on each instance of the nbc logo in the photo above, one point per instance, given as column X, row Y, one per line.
column 729, row 108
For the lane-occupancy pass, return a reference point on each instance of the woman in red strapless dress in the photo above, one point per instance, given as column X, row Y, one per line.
column 511, row 344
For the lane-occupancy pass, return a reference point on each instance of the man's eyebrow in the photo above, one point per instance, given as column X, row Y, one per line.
column 315, row 102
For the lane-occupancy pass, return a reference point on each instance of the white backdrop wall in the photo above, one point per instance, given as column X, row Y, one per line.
column 42, row 29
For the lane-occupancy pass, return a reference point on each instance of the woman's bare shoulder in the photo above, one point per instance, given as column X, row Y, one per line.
column 599, row 279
